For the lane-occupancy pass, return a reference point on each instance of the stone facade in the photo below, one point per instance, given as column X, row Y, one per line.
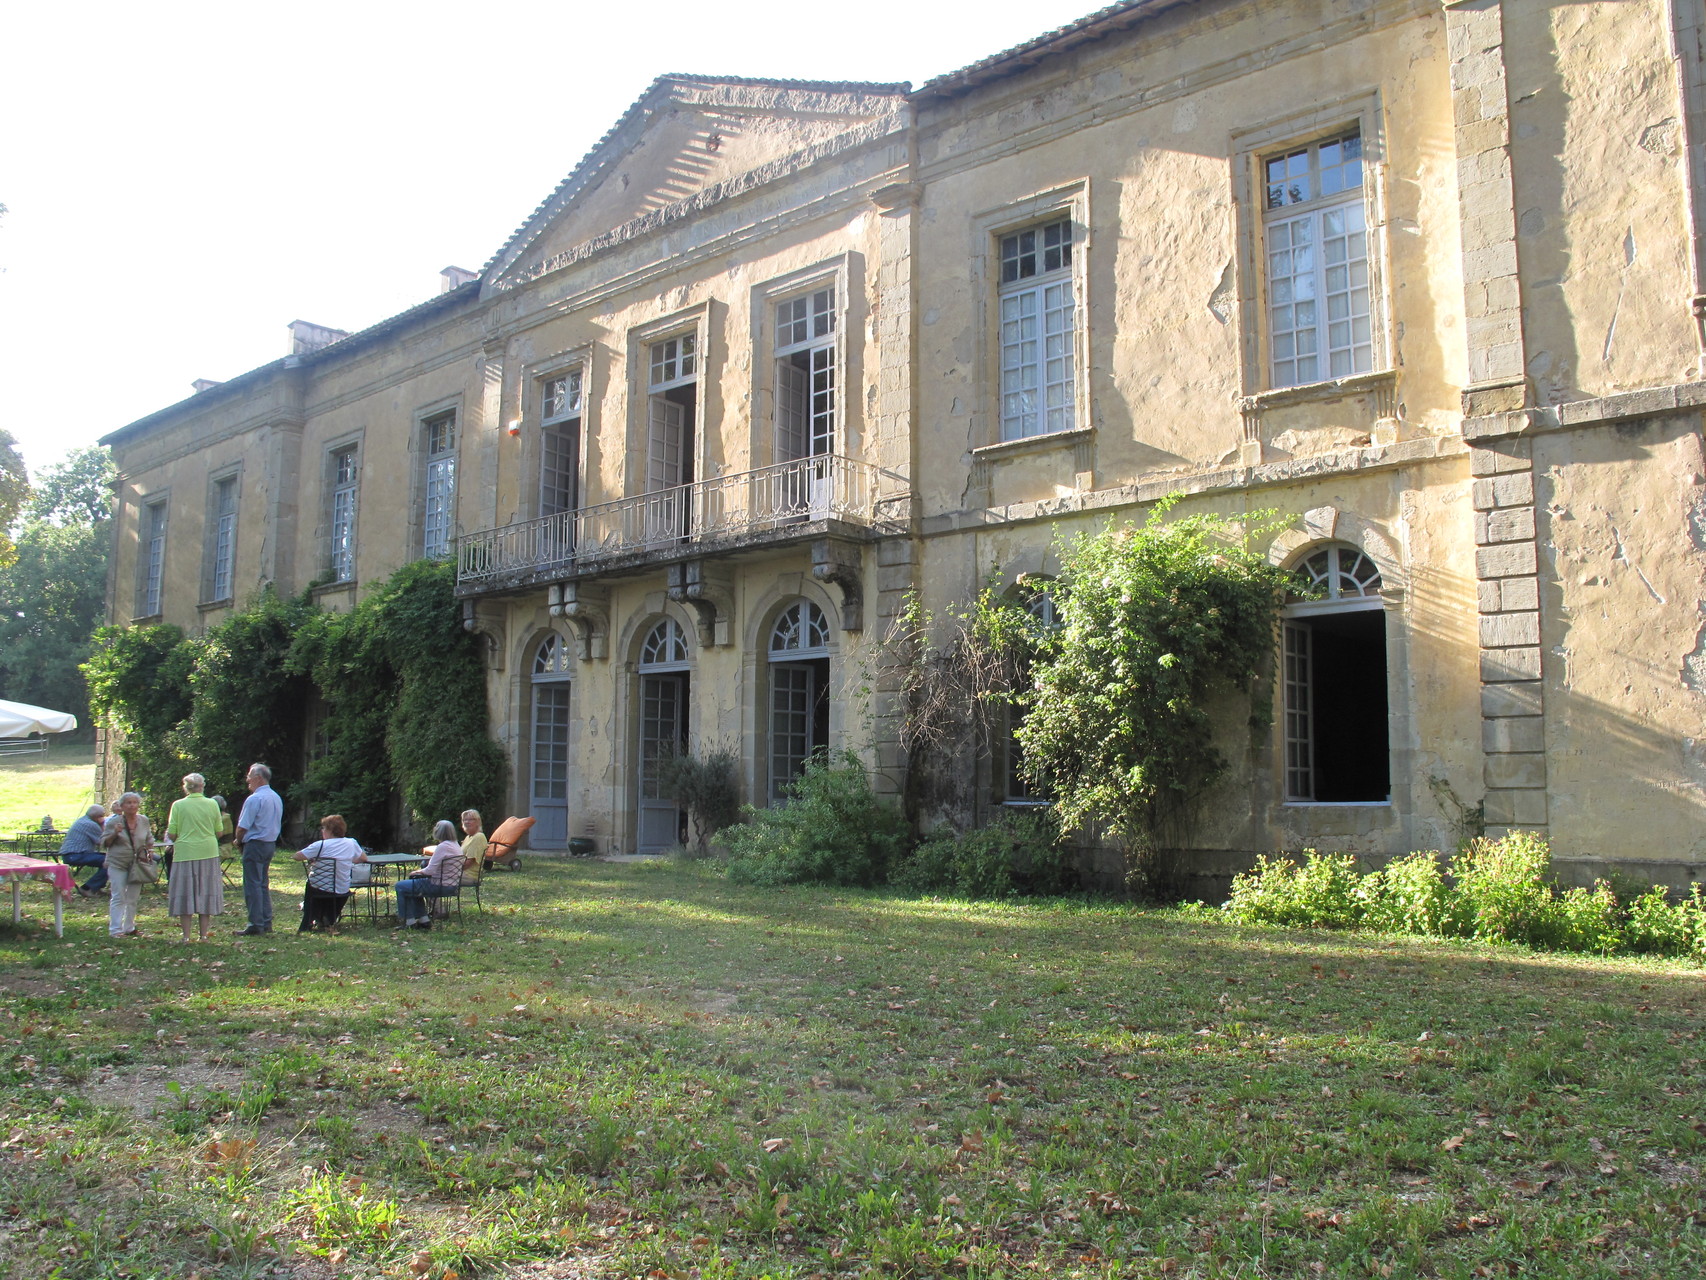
column 1422, row 278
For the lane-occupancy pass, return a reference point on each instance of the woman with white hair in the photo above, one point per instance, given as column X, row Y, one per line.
column 441, row 876
column 128, row 840
column 195, row 888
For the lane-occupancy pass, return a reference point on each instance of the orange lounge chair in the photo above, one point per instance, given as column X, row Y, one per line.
column 502, row 848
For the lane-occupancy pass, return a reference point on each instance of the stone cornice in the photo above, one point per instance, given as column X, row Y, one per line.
column 1209, row 480
column 1681, row 397
column 1099, row 110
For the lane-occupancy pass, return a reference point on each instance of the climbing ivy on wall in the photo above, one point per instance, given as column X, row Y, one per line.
column 403, row 688
column 1155, row 620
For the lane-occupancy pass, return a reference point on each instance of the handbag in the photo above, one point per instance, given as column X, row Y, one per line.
column 145, row 870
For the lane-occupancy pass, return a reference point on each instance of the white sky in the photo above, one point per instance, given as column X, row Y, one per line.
column 183, row 179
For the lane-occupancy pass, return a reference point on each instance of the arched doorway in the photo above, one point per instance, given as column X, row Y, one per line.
column 1337, row 737
column 549, row 790
column 664, row 680
column 799, row 693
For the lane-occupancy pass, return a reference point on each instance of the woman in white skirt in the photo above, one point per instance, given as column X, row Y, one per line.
column 128, row 840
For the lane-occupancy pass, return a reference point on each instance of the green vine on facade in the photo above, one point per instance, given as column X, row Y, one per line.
column 1154, row 621
column 400, row 683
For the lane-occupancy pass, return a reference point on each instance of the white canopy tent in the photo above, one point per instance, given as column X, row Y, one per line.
column 19, row 720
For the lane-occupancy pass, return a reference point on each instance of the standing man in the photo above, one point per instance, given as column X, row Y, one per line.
column 257, row 836
column 82, row 848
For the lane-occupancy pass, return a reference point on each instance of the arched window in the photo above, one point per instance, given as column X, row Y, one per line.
column 799, row 692
column 664, row 685
column 1337, row 744
column 665, row 645
column 551, row 688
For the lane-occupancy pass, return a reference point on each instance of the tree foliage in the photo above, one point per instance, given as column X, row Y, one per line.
column 1154, row 619
column 54, row 591
column 402, row 683
column 14, row 492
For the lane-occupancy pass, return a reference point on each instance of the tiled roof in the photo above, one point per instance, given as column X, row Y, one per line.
column 1103, row 22
column 343, row 346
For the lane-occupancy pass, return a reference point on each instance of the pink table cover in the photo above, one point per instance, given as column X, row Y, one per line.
column 15, row 864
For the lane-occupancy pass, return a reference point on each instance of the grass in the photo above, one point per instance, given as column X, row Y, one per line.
column 61, row 783
column 641, row 1070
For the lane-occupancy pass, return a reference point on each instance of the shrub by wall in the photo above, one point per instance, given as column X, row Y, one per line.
column 404, row 692
column 832, row 830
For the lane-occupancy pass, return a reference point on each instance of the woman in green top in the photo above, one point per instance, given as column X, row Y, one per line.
column 195, row 888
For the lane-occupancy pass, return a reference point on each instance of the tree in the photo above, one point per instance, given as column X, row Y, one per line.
column 54, row 592
column 14, row 491
column 1155, row 619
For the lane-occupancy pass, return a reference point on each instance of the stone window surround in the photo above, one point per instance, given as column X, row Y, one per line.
column 1070, row 200
column 836, row 272
column 1321, row 526
column 1250, row 147
column 531, row 418
column 418, row 457
column 233, row 472
column 695, row 320
column 145, row 503
column 355, row 439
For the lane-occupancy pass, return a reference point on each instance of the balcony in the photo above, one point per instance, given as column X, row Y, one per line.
column 785, row 503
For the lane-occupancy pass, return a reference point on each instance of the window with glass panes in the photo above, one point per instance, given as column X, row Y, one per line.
column 1038, row 317
column 805, row 376
column 1315, row 235
column 153, row 558
column 440, row 484
column 559, row 459
column 343, row 515
column 224, row 538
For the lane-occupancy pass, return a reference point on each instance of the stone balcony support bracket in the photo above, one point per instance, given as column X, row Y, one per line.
column 485, row 619
column 693, row 583
column 834, row 560
column 587, row 610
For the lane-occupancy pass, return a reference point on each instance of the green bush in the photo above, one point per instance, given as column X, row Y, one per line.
column 1584, row 920
column 1409, row 896
column 832, row 830
column 707, row 786
column 1017, row 853
column 1324, row 893
column 1501, row 890
column 1658, row 926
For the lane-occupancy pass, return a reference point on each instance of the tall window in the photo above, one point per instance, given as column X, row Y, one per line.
column 799, row 693
column 222, row 550
column 552, row 669
column 1316, row 237
column 663, row 672
column 345, row 480
column 805, row 376
column 671, row 406
column 1337, row 745
column 1038, row 322
column 559, row 459
column 152, row 560
column 439, row 514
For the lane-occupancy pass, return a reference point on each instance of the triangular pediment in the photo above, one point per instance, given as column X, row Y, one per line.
column 683, row 138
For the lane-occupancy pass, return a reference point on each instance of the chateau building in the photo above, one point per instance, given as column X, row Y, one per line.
column 1422, row 277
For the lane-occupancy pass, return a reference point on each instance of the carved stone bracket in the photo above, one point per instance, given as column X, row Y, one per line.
column 486, row 620
column 587, row 610
column 836, row 561
column 693, row 583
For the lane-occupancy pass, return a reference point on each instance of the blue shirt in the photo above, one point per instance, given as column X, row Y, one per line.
column 84, row 837
column 263, row 814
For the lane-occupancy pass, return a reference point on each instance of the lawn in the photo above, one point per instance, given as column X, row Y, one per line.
column 641, row 1070
column 60, row 783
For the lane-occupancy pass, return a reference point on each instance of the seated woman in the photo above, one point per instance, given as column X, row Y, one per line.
column 441, row 876
column 329, row 860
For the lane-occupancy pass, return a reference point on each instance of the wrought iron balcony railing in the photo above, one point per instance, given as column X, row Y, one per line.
column 705, row 516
